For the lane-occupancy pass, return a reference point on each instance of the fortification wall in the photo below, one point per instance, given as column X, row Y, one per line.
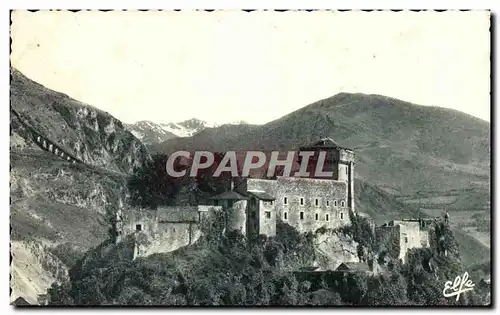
column 267, row 218
column 317, row 208
column 166, row 229
column 170, row 237
column 424, row 239
column 311, row 203
column 412, row 231
column 146, row 219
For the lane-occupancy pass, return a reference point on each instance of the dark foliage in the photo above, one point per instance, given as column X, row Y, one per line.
column 227, row 269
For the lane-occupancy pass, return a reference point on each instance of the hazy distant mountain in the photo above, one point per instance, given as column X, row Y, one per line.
column 151, row 133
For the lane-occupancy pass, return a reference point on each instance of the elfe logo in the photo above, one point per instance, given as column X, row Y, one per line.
column 457, row 287
column 304, row 162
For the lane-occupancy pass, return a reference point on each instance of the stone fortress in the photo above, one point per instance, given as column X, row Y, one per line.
column 305, row 203
column 254, row 206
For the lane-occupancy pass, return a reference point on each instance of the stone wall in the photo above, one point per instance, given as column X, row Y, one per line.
column 146, row 219
column 424, row 238
column 163, row 230
column 171, row 236
column 267, row 218
column 405, row 235
column 317, row 207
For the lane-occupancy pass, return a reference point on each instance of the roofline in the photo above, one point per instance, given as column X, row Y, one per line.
column 260, row 198
column 304, row 148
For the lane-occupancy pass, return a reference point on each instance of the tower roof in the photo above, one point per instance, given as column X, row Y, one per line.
column 325, row 142
column 229, row 195
column 261, row 195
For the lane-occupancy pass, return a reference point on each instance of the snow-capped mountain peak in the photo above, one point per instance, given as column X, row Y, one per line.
column 150, row 132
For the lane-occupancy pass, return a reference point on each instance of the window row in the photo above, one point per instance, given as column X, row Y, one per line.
column 316, row 202
column 316, row 216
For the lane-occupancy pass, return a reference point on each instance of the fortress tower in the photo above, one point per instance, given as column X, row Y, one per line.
column 338, row 160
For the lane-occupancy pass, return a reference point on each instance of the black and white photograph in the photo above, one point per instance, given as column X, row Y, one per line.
column 250, row 158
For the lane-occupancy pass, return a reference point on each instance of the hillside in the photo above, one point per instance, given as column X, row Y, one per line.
column 91, row 135
column 420, row 154
column 59, row 210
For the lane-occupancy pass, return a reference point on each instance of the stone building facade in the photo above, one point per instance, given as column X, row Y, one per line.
column 307, row 203
column 162, row 230
column 405, row 234
column 254, row 206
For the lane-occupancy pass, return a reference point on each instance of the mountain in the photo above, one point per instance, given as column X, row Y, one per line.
column 427, row 157
column 89, row 134
column 69, row 166
column 151, row 133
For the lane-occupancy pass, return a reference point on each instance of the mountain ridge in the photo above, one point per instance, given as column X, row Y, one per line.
column 150, row 132
column 405, row 149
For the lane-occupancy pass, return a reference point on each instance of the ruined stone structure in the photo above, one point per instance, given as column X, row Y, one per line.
column 162, row 230
column 254, row 205
column 405, row 234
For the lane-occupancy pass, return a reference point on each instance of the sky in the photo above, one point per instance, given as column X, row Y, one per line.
column 227, row 66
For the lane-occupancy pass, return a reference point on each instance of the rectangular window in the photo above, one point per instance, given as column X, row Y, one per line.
column 316, row 202
column 328, row 203
column 406, row 240
column 302, row 215
column 268, row 214
column 342, row 216
column 301, row 201
column 138, row 227
column 335, row 203
column 316, row 217
column 342, row 204
column 327, row 217
column 346, row 170
column 285, row 215
column 285, row 201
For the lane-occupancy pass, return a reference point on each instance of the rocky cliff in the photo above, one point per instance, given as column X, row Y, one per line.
column 91, row 135
column 60, row 209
